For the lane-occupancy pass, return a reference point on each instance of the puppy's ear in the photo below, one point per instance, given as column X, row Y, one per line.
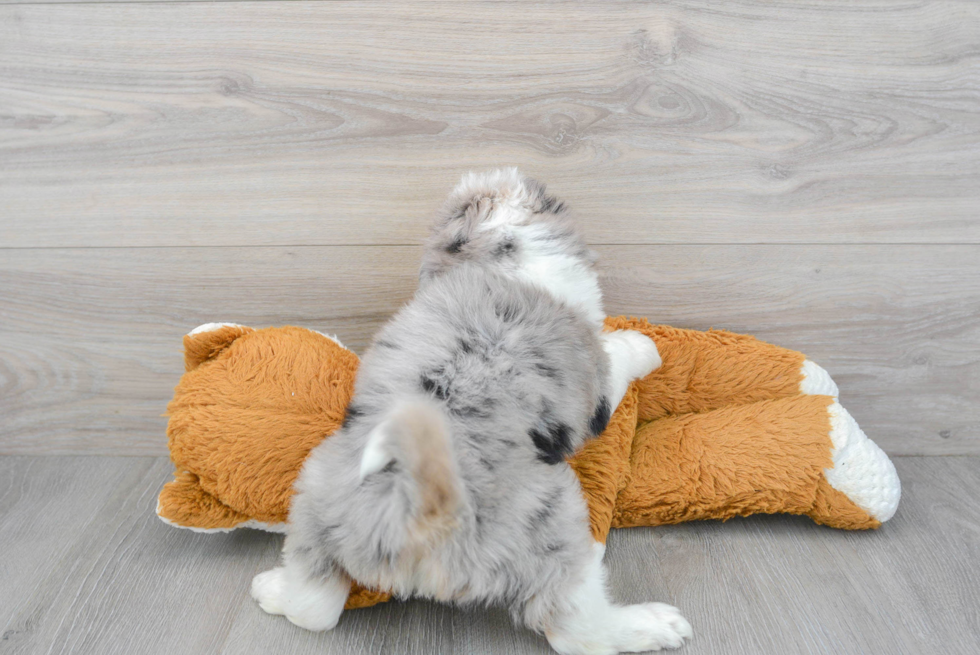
column 206, row 341
column 377, row 454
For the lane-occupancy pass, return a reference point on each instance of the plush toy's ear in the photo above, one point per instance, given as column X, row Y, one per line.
column 206, row 341
column 183, row 503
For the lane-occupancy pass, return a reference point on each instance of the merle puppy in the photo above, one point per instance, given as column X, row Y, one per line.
column 448, row 479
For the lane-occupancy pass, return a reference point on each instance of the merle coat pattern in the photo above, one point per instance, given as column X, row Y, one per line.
column 448, row 478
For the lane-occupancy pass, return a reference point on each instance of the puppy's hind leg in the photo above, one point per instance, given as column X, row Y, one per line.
column 588, row 623
column 311, row 599
column 632, row 355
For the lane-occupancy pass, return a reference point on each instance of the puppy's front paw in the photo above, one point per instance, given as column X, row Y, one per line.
column 636, row 351
column 651, row 626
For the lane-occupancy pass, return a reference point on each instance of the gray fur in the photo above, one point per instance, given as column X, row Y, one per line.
column 457, row 237
column 497, row 366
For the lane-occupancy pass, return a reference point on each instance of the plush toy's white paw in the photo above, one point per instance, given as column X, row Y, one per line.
column 861, row 470
column 817, row 381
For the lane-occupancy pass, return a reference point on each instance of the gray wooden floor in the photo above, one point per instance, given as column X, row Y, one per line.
column 807, row 171
column 88, row 568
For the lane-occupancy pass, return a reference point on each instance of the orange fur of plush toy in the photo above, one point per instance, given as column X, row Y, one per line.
column 721, row 429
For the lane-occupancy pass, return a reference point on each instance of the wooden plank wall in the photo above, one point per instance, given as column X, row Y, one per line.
column 808, row 172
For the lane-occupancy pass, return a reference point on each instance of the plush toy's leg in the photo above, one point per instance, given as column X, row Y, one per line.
column 799, row 455
column 206, row 341
column 588, row 623
column 703, row 371
column 311, row 599
column 632, row 355
column 861, row 471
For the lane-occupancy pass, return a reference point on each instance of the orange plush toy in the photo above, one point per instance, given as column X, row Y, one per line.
column 727, row 426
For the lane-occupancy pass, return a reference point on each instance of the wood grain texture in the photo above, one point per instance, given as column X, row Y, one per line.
column 284, row 123
column 786, row 585
column 90, row 339
column 89, row 568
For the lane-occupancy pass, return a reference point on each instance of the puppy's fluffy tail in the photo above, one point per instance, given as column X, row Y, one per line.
column 413, row 443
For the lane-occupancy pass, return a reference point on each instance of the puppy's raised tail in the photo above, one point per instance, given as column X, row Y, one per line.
column 413, row 443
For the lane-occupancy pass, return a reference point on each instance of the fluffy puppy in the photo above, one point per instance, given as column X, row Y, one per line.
column 448, row 478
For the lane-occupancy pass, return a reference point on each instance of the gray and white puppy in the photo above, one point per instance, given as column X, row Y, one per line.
column 448, row 478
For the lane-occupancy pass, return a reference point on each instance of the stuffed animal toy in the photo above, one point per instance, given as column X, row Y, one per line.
column 727, row 426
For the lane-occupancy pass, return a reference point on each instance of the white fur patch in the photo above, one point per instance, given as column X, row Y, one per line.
column 594, row 626
column 312, row 604
column 861, row 470
column 505, row 185
column 566, row 278
column 632, row 356
column 375, row 456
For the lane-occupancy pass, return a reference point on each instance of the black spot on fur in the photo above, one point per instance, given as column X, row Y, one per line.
column 600, row 419
column 504, row 249
column 465, row 346
column 325, row 532
column 545, row 512
column 381, row 343
column 505, row 311
column 456, row 245
column 488, row 464
column 324, row 567
column 429, row 385
column 554, row 444
column 549, row 506
column 382, row 554
column 550, row 204
column 351, row 415
column 548, row 371
column 470, row 411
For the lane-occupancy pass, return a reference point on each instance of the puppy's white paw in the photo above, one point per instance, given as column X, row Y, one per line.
column 308, row 604
column 618, row 629
column 268, row 588
column 635, row 351
column 651, row 626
